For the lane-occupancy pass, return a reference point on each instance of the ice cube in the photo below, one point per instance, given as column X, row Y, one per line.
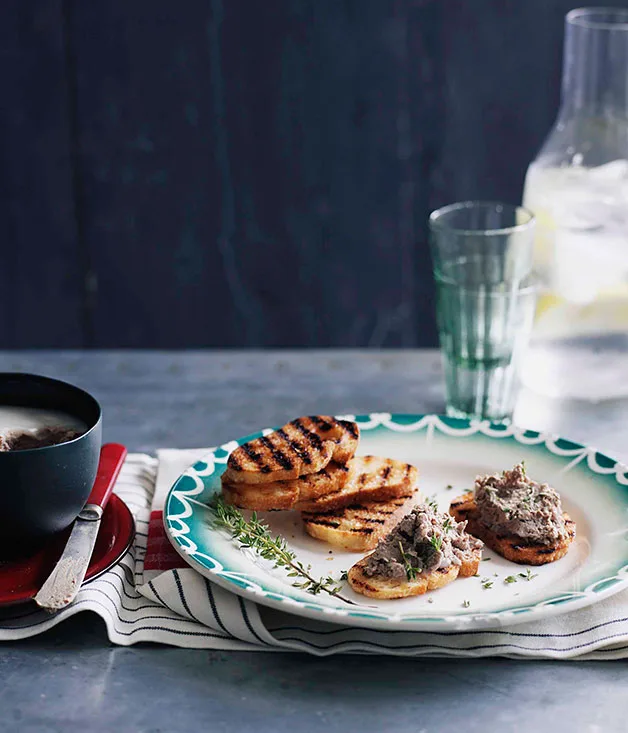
column 616, row 170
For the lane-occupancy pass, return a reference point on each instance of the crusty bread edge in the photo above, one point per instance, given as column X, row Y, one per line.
column 355, row 542
column 338, row 500
column 256, row 500
column 390, row 589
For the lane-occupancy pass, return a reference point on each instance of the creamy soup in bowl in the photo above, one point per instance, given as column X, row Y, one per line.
column 24, row 428
column 50, row 440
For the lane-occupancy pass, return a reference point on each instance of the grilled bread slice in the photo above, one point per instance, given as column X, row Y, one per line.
column 390, row 588
column 370, row 479
column 513, row 548
column 358, row 527
column 285, row 494
column 302, row 447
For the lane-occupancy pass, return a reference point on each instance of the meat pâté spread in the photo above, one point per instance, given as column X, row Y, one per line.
column 511, row 503
column 423, row 541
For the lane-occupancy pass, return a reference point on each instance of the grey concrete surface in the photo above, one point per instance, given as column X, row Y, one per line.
column 72, row 679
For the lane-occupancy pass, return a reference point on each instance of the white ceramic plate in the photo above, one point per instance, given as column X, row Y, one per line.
column 594, row 490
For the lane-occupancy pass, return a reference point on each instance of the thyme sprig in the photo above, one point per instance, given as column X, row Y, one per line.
column 254, row 533
column 411, row 571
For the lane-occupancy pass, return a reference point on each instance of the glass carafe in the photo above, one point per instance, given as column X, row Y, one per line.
column 577, row 188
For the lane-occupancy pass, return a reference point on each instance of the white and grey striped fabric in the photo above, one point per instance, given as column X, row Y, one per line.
column 179, row 607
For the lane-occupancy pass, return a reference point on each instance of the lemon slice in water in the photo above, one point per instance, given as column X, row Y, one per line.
column 556, row 317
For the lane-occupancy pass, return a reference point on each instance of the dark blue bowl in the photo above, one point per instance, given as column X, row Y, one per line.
column 42, row 490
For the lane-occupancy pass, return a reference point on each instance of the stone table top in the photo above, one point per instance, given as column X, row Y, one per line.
column 71, row 678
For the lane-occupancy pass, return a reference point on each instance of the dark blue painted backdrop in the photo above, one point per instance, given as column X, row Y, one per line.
column 253, row 173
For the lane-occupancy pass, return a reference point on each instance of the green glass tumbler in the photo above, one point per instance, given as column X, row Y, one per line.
column 485, row 301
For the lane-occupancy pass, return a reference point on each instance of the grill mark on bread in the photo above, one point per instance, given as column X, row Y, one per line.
column 320, row 423
column 327, row 424
column 282, row 459
column 255, row 457
column 358, row 526
column 370, row 508
column 359, row 509
column 234, row 462
column 252, row 454
column 367, row 481
column 325, row 522
column 402, row 499
column 350, row 427
column 311, row 437
column 300, row 449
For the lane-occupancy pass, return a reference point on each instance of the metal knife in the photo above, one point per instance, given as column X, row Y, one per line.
column 64, row 582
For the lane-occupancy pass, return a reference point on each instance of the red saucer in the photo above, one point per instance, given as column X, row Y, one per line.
column 21, row 580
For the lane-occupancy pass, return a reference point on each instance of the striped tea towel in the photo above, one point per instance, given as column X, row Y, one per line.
column 152, row 596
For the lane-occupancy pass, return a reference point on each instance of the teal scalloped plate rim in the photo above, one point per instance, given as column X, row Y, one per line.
column 449, row 453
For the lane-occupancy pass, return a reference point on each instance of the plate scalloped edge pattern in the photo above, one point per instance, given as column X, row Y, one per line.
column 191, row 484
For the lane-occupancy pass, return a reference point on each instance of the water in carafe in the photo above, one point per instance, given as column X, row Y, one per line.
column 578, row 190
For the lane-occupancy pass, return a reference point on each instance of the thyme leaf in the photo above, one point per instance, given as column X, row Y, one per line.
column 411, row 571
column 528, row 575
column 254, row 533
column 432, row 502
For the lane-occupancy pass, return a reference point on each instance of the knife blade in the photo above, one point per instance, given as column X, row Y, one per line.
column 64, row 582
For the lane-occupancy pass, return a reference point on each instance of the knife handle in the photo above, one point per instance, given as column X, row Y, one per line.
column 112, row 457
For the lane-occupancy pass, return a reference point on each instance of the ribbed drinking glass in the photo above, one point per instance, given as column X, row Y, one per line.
column 482, row 254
